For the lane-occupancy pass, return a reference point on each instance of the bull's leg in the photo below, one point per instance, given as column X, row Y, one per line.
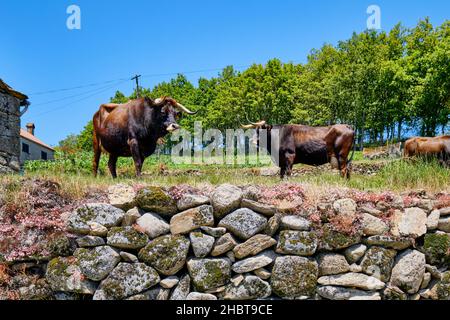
column 112, row 162
column 137, row 157
column 290, row 158
column 97, row 154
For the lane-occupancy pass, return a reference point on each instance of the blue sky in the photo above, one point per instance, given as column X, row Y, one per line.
column 161, row 38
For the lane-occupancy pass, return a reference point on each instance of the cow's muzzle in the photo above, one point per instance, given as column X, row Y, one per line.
column 172, row 127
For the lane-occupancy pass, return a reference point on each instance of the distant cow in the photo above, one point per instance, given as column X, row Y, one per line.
column 133, row 129
column 438, row 147
column 308, row 145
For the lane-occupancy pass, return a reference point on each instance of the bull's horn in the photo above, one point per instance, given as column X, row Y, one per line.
column 158, row 101
column 259, row 124
column 247, row 126
column 184, row 109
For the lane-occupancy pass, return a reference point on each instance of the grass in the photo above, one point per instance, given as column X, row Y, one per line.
column 75, row 176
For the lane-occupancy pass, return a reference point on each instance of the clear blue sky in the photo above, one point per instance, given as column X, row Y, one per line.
column 120, row 38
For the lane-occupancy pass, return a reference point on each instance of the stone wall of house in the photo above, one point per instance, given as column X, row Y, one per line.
column 9, row 134
column 229, row 242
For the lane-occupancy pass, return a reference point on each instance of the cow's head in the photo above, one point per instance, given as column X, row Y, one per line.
column 168, row 112
column 258, row 126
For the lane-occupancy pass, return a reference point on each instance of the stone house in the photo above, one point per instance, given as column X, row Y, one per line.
column 32, row 148
column 11, row 102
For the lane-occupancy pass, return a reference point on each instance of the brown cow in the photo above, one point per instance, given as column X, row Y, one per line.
column 438, row 147
column 133, row 129
column 308, row 145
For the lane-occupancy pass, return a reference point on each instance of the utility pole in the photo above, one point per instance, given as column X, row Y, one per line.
column 136, row 77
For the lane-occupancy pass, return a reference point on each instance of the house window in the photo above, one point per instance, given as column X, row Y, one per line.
column 43, row 155
column 25, row 148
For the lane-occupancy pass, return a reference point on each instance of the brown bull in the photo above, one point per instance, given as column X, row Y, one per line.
column 308, row 145
column 133, row 129
column 438, row 147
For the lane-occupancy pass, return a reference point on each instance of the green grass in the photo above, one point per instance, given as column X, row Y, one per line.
column 397, row 175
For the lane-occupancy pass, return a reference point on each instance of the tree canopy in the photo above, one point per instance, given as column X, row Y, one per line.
column 386, row 84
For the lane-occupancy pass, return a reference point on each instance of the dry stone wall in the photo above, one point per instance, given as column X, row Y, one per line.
column 9, row 134
column 226, row 243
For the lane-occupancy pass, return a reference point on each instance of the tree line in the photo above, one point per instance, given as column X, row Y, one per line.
column 388, row 85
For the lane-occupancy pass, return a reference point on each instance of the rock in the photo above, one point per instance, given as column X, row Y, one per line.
column 90, row 241
column 169, row 282
column 372, row 211
column 250, row 288
column 131, row 216
column 128, row 257
column 155, row 199
column 201, row 244
column 200, row 296
column 433, row 220
column 426, row 204
column 294, row 277
column 295, row 223
column 100, row 213
column 394, row 293
column 153, row 225
column 345, row 207
column 125, row 280
column 355, row 252
column 158, row 293
column 408, row 271
column 167, row 254
column 437, row 248
column 339, row 293
column 192, row 219
column 332, row 240
column 96, row 229
column 225, row 199
column 262, row 208
column 390, row 242
column 189, row 201
column 434, row 271
column 373, row 226
column 444, row 224
column 426, row 280
column 215, row 232
column 253, row 246
column 332, row 263
column 208, row 274
column 98, row 262
column 301, row 243
column 272, row 225
column 230, row 255
column 223, row 245
column 411, row 223
column 355, row 268
column 378, row 262
column 250, row 192
column 126, row 238
column 352, row 280
column 40, row 290
column 444, row 211
column 244, row 223
column 64, row 274
column 443, row 287
column 430, row 293
column 183, row 288
column 237, row 279
column 254, row 263
column 122, row 196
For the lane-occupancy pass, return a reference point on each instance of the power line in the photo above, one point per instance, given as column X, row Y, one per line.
column 72, row 96
column 79, row 100
column 74, row 88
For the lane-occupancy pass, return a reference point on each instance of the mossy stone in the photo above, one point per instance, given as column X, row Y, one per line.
column 378, row 262
column 437, row 248
column 334, row 240
column 443, row 288
column 155, row 199
column 167, row 254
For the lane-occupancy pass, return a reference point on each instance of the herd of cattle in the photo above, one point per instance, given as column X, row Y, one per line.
column 134, row 128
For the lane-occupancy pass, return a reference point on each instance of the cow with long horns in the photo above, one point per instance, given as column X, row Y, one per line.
column 315, row 146
column 133, row 129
